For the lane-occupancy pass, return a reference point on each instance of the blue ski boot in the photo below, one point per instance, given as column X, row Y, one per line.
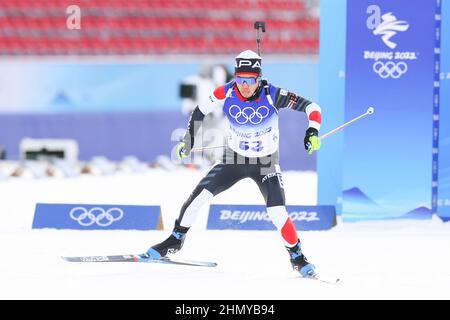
column 169, row 246
column 299, row 261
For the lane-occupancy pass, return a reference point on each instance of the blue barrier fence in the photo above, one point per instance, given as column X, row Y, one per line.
column 145, row 135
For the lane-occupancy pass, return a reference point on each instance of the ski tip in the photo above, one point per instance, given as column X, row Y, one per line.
column 69, row 259
column 320, row 278
column 208, row 264
column 329, row 280
column 167, row 260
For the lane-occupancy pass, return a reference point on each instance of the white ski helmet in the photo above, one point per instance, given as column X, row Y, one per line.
column 248, row 61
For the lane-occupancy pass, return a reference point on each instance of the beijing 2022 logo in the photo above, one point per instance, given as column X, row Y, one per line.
column 387, row 64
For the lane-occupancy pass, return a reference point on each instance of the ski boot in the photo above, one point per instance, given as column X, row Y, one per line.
column 169, row 246
column 299, row 262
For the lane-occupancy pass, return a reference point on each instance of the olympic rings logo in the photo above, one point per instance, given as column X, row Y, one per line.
column 96, row 215
column 248, row 114
column 390, row 69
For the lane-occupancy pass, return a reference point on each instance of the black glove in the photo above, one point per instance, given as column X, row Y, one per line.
column 185, row 146
column 309, row 133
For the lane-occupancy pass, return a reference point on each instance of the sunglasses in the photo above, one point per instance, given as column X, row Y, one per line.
column 250, row 80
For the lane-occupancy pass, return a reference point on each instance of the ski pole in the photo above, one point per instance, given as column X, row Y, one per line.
column 369, row 111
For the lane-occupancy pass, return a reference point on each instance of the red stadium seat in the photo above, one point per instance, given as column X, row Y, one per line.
column 156, row 27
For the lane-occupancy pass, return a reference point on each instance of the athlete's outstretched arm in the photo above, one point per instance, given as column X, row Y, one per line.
column 196, row 118
column 290, row 100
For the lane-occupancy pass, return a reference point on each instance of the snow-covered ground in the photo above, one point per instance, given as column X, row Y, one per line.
column 375, row 260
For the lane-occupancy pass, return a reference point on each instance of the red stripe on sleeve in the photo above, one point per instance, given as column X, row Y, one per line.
column 219, row 93
column 315, row 116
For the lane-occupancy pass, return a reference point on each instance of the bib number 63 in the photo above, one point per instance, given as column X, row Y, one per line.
column 255, row 146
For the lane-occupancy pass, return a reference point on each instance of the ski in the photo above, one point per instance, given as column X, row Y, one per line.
column 329, row 280
column 139, row 258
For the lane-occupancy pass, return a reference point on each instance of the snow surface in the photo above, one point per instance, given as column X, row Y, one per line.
column 375, row 260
